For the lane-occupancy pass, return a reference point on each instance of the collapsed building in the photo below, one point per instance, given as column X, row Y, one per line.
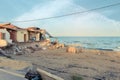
column 12, row 33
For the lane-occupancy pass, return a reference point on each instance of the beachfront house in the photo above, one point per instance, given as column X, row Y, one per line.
column 12, row 33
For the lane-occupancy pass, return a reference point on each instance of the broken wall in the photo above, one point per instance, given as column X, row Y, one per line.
column 6, row 35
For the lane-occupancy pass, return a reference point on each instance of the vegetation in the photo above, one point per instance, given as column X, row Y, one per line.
column 77, row 77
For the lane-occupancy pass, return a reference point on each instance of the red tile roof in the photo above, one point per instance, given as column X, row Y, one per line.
column 9, row 26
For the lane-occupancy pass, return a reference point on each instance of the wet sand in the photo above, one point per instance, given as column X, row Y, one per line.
column 90, row 64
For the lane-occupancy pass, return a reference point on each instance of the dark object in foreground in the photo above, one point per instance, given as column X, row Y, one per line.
column 33, row 75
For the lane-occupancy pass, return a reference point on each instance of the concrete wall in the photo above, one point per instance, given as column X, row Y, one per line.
column 35, row 35
column 38, row 37
column 7, row 35
column 20, row 35
column 32, row 35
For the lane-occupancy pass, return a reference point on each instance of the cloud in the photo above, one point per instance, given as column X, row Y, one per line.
column 86, row 24
column 91, row 24
column 47, row 10
column 37, row 12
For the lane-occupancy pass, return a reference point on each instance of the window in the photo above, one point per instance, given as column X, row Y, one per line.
column 2, row 35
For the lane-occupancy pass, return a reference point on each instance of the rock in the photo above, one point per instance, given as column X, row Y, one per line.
column 71, row 49
column 47, row 40
column 56, row 46
column 32, row 49
column 44, row 44
column 3, row 43
column 44, row 48
column 61, row 45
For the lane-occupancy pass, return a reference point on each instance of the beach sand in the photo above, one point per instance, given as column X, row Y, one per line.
column 12, row 64
column 90, row 64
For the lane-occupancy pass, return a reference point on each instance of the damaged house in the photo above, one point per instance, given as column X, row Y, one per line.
column 12, row 33
column 34, row 33
column 8, row 32
column 37, row 34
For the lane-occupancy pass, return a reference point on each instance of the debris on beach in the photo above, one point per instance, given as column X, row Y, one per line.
column 31, row 47
column 56, row 45
column 28, row 47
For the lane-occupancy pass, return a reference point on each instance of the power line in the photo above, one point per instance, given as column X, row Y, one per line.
column 94, row 9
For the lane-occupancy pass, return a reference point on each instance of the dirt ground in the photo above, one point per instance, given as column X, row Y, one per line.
column 90, row 64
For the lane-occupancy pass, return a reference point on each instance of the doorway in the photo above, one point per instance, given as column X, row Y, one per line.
column 24, row 37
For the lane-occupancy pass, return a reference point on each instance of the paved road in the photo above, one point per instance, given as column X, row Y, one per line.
column 7, row 76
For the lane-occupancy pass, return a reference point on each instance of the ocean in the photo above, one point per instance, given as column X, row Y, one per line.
column 102, row 43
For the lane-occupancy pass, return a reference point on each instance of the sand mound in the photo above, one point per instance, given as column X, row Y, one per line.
column 13, row 64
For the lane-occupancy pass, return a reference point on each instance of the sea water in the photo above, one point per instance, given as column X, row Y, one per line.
column 105, row 43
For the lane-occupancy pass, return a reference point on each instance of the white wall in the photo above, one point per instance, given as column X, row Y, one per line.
column 38, row 37
column 7, row 35
column 20, row 35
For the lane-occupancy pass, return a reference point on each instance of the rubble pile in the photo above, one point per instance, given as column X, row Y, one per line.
column 28, row 47
column 31, row 47
column 56, row 45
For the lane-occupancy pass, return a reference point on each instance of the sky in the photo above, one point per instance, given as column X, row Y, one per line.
column 104, row 22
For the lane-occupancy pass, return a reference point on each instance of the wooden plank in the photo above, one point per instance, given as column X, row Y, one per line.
column 49, row 74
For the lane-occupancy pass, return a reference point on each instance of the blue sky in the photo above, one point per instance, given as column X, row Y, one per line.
column 105, row 22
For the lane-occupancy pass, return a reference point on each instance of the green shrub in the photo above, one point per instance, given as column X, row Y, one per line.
column 77, row 78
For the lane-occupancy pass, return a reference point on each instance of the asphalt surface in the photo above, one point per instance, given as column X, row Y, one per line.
column 7, row 76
